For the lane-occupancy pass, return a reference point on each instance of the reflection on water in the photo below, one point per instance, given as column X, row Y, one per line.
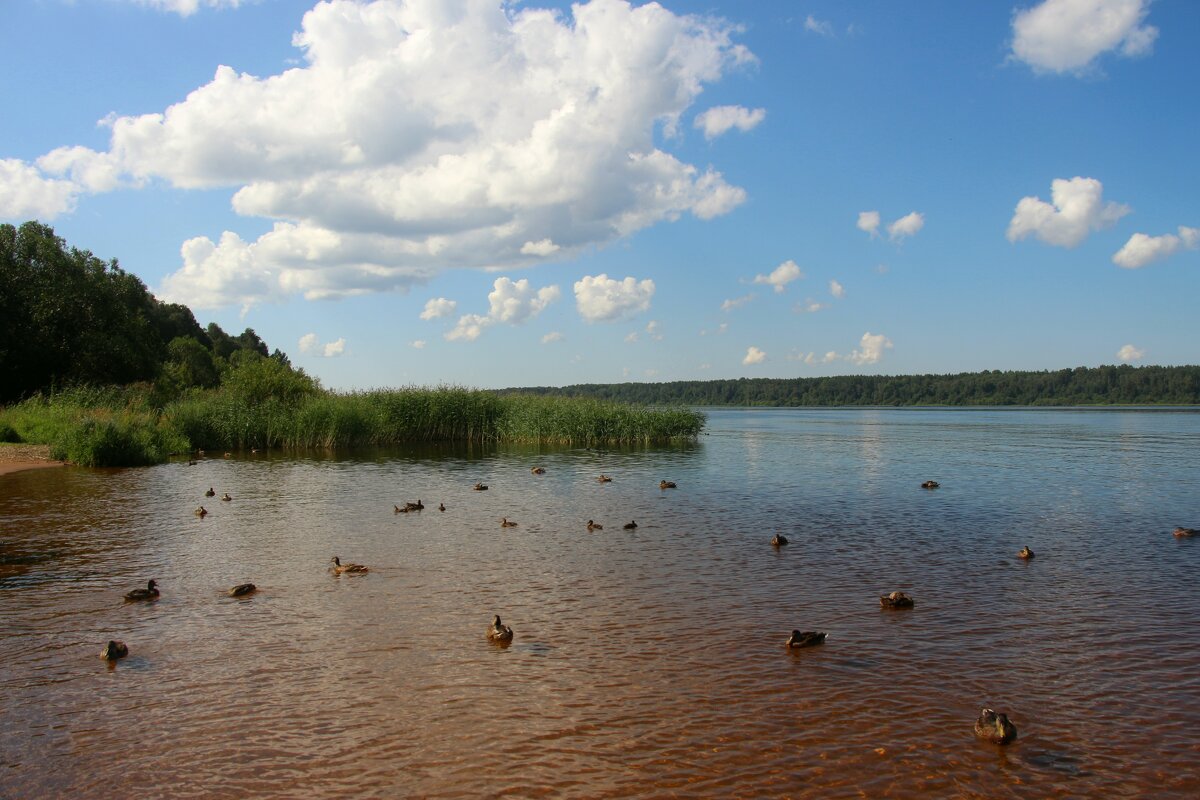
column 645, row 663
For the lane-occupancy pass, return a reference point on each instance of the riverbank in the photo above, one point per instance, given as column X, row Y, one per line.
column 17, row 457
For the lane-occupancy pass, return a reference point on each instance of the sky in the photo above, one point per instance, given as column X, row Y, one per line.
column 494, row 194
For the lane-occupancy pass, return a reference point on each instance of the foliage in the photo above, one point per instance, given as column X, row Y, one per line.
column 1107, row 385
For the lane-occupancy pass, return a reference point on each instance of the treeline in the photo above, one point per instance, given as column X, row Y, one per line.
column 1107, row 385
column 70, row 319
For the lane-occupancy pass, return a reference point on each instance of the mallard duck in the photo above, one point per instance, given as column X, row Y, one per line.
column 228, row 455
column 348, row 569
column 805, row 639
column 114, row 650
column 994, row 727
column 594, row 526
column 1184, row 533
column 398, row 510
column 630, row 525
column 895, row 600
column 149, row 593
column 499, row 632
column 930, row 485
column 201, row 511
column 226, row 497
column 441, row 506
column 211, row 492
column 538, row 470
column 778, row 540
column 480, row 487
column 666, row 484
column 1025, row 553
column 242, row 589
column 604, row 478
column 505, row 522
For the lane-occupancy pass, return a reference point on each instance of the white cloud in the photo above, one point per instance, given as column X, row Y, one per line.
column 1130, row 353
column 908, row 225
column 310, row 345
column 868, row 221
column 418, row 344
column 1141, row 249
column 185, row 8
column 810, row 306
column 836, row 289
column 510, row 302
column 1077, row 210
column 438, row 307
column 604, row 299
column 509, row 131
column 736, row 302
column 719, row 120
column 754, row 356
column 870, row 349
column 654, row 330
column 781, row 276
column 631, row 337
column 814, row 25
column 1068, row 35
column 553, row 336
column 722, row 328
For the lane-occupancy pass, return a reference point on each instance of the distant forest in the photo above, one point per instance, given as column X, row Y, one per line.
column 1109, row 385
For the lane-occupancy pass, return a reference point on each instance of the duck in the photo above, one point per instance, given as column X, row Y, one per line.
column 351, row 569
column 201, row 511
column 211, row 492
column 441, row 506
column 398, row 510
column 895, row 600
column 228, row 455
column 778, row 540
column 506, row 523
column 1184, row 533
column 226, row 497
column 538, row 470
column 1025, row 553
column 994, row 727
column 480, row 487
column 242, row 589
column 114, row 650
column 604, row 478
column 630, row 525
column 594, row 526
column 666, row 484
column 930, row 485
column 499, row 632
column 149, row 593
column 805, row 639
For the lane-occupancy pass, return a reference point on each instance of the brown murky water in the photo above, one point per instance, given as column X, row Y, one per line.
column 645, row 663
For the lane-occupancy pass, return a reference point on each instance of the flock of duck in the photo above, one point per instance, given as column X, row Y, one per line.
column 991, row 725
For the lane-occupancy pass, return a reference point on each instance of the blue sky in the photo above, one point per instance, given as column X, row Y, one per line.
column 487, row 194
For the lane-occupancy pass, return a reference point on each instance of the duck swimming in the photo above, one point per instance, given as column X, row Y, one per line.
column 506, row 523
column 1025, row 553
column 895, row 600
column 480, row 487
column 226, row 497
column 211, row 492
column 630, row 525
column 994, row 727
column 200, row 511
column 242, row 589
column 114, row 650
column 538, row 470
column 346, row 569
column 805, row 639
column 594, row 526
column 441, row 506
column 1184, row 533
column 604, row 478
column 930, row 485
column 499, row 632
column 778, row 540
column 149, row 593
column 666, row 484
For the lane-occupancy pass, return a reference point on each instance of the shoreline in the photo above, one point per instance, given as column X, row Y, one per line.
column 18, row 457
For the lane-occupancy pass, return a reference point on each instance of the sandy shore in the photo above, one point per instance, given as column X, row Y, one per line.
column 15, row 457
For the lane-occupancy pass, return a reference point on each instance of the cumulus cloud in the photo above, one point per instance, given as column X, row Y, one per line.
column 508, row 134
column 1076, row 209
column 868, row 221
column 736, row 302
column 908, row 225
column 1130, row 353
column 1141, row 249
column 438, row 307
column 1068, row 35
column 510, row 302
column 781, row 276
column 311, row 345
column 654, row 330
column 603, row 299
column 631, row 337
column 810, row 306
column 821, row 27
column 754, row 356
column 870, row 349
column 836, row 289
column 418, row 344
column 721, row 119
column 553, row 336
column 811, row 358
